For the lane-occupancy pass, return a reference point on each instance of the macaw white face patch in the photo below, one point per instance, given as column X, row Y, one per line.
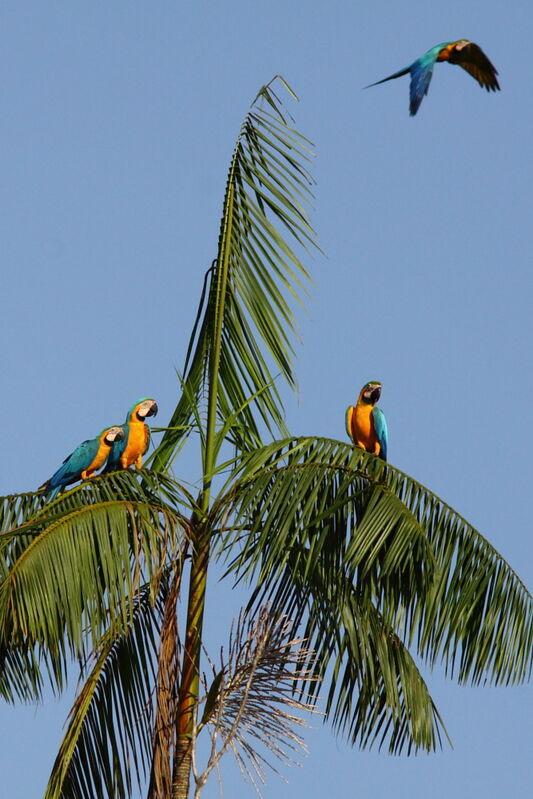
column 114, row 434
column 372, row 392
column 147, row 408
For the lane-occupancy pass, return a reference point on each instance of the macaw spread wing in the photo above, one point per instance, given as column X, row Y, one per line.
column 421, row 75
column 471, row 58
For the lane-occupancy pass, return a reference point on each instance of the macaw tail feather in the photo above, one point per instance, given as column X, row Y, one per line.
column 46, row 488
column 399, row 74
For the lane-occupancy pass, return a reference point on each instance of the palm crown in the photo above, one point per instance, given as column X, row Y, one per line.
column 368, row 566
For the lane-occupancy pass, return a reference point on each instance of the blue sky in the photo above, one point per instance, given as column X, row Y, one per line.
column 118, row 123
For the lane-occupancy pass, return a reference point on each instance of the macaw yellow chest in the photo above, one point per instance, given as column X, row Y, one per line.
column 99, row 458
column 137, row 445
column 362, row 428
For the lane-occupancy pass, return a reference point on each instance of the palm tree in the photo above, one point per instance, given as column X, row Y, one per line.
column 338, row 549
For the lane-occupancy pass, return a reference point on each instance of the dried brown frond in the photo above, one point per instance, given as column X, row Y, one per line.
column 250, row 704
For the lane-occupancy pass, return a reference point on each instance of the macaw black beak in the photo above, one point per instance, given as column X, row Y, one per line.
column 375, row 395
column 153, row 409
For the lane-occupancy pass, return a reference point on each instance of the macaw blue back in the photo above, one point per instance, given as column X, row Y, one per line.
column 421, row 74
column 73, row 465
column 382, row 433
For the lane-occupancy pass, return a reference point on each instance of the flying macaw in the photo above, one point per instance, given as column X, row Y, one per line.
column 366, row 424
column 136, row 439
column 84, row 461
column 466, row 54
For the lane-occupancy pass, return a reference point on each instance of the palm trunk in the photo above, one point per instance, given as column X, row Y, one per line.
column 166, row 696
column 190, row 673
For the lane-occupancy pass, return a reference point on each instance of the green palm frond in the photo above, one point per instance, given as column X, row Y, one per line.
column 78, row 562
column 376, row 693
column 256, row 275
column 305, row 509
column 141, row 486
column 15, row 508
column 313, row 516
column 107, row 744
column 21, row 673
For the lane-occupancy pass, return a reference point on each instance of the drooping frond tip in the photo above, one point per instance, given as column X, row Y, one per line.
column 267, row 93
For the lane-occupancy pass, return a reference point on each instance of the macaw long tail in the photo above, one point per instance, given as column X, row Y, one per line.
column 46, row 488
column 391, row 77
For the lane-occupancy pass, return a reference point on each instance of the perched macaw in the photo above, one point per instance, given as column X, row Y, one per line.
column 365, row 424
column 466, row 54
column 136, row 439
column 84, row 461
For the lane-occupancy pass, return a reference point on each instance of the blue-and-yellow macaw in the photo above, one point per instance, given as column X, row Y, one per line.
column 366, row 424
column 84, row 461
column 466, row 54
column 136, row 439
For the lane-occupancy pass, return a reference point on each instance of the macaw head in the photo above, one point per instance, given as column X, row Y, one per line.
column 142, row 409
column 111, row 434
column 370, row 393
